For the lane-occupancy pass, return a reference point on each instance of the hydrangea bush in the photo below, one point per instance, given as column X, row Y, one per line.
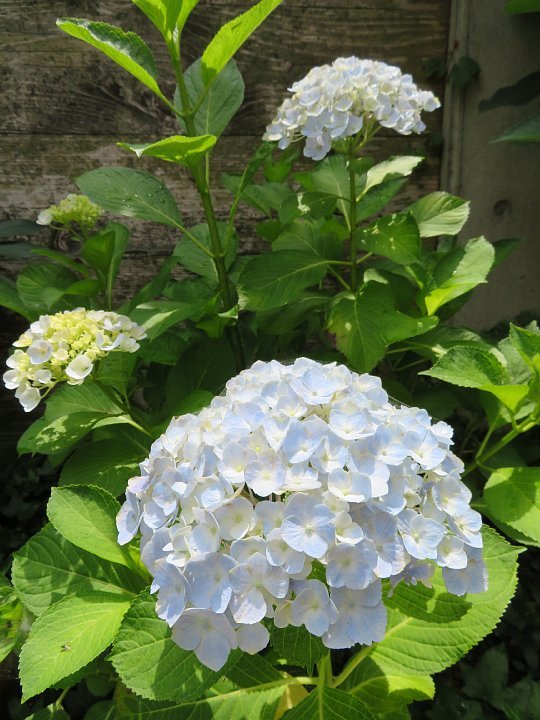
column 301, row 545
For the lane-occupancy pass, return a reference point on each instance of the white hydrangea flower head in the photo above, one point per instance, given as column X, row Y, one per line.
column 74, row 208
column 337, row 101
column 291, row 497
column 64, row 348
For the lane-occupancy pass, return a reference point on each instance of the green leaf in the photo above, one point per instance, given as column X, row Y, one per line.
column 188, row 254
column 526, row 132
column 326, row 703
column 477, row 367
column 402, row 165
column 104, row 251
column 130, row 192
column 463, row 71
column 66, row 637
column 388, row 689
column 11, row 616
column 458, row 272
column 221, row 100
column 176, row 149
column 526, row 341
column 62, row 259
column 165, row 349
column 373, row 200
column 265, row 197
column 252, row 670
column 238, row 704
column 150, row 663
column 271, row 281
column 167, row 14
column 288, row 318
column 297, row 646
column 231, row 36
column 43, row 285
column 10, row 298
column 108, row 464
column 366, row 323
column 191, row 297
column 512, row 496
column 152, row 289
column 116, row 369
column 430, row 629
column 440, row 213
column 86, row 516
column 312, row 236
column 64, row 422
column 48, row 567
column 126, row 49
column 395, row 237
column 332, row 178
column 203, row 366
column 522, row 6
column 51, row 712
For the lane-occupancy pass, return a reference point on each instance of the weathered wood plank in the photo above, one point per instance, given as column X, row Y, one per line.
column 90, row 93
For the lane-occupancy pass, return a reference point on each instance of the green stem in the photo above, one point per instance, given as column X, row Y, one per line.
column 339, row 278
column 352, row 220
column 351, row 666
column 59, row 700
column 200, row 175
column 503, row 442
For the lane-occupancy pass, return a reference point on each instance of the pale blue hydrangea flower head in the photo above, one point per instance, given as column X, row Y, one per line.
column 338, row 101
column 291, row 497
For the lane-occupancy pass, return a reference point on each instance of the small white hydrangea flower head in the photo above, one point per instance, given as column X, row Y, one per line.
column 73, row 209
column 289, row 499
column 65, row 348
column 350, row 96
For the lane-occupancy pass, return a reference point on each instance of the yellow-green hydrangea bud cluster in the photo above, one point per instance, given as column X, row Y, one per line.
column 63, row 348
column 74, row 208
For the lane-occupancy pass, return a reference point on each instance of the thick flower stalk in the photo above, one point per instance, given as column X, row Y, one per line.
column 292, row 497
column 78, row 209
column 338, row 101
column 64, row 348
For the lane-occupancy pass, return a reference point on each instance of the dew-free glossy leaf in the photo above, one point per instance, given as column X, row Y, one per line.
column 221, row 100
column 67, row 636
column 48, row 567
column 126, row 49
column 440, row 213
column 43, row 285
column 130, row 192
column 231, row 36
column 457, row 273
column 150, row 663
column 273, row 280
column 176, row 149
column 86, row 516
column 429, row 629
column 297, row 646
column 326, row 703
column 512, row 496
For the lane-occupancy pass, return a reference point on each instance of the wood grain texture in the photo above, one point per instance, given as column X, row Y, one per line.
column 64, row 106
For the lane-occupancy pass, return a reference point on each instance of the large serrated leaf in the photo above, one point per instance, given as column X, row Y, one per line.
column 48, row 567
column 512, row 496
column 126, row 49
column 440, row 214
column 477, row 367
column 151, row 664
column 86, row 516
column 236, row 705
column 297, row 646
column 230, row 38
column 67, row 636
column 326, row 703
column 106, row 463
column 457, row 273
column 220, row 101
column 429, row 629
column 273, row 280
column 130, row 192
